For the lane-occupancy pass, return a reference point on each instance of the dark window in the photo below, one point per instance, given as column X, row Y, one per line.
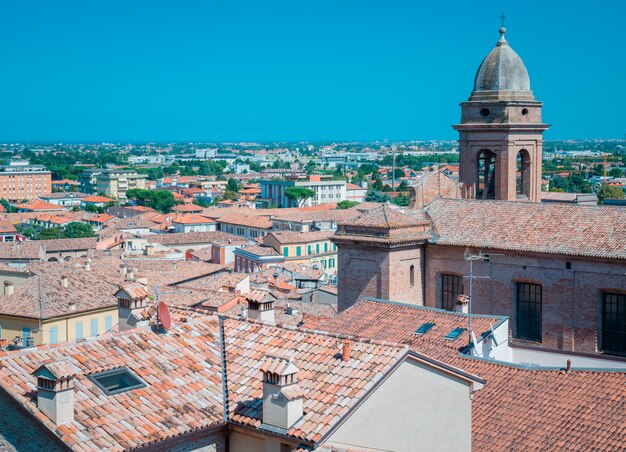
column 424, row 328
column 451, row 288
column 452, row 335
column 117, row 380
column 412, row 275
column 529, row 311
column 486, row 175
column 614, row 323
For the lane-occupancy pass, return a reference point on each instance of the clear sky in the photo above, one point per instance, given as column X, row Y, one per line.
column 177, row 70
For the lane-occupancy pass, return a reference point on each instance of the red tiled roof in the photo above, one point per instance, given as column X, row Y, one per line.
column 528, row 226
column 518, row 408
column 97, row 199
column 189, row 208
column 287, row 237
column 38, row 206
column 192, row 219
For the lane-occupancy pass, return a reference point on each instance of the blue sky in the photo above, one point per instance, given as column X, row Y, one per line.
column 181, row 70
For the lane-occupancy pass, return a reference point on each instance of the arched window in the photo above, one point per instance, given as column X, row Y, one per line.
column 486, row 181
column 412, row 275
column 522, row 174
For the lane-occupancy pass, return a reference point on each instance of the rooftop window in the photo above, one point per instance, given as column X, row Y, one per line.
column 425, row 328
column 115, row 381
column 452, row 335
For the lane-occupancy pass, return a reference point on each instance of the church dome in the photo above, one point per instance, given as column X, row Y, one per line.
column 502, row 75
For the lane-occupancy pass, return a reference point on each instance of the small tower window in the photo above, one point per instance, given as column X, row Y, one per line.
column 484, row 112
column 412, row 275
column 486, row 182
column 524, row 111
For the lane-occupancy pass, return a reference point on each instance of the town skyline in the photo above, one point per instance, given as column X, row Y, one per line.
column 279, row 73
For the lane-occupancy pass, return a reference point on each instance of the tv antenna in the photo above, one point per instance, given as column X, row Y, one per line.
column 163, row 318
column 468, row 256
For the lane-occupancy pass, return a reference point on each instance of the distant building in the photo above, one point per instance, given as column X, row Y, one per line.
column 115, row 183
column 19, row 180
column 325, row 191
column 205, row 154
column 312, row 248
column 65, row 198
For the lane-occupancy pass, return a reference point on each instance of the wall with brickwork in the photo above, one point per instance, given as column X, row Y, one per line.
column 436, row 186
column 367, row 271
column 571, row 298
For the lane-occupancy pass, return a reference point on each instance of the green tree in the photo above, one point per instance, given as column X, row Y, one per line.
column 8, row 207
column 347, row 204
column 161, row 200
column 403, row 186
column 229, row 194
column 402, row 200
column 233, row 185
column 50, row 233
column 609, row 192
column 615, row 172
column 78, row 230
column 376, row 196
column 298, row 195
column 27, row 230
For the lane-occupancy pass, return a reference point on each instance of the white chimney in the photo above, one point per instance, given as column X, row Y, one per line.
column 282, row 396
column 9, row 287
column 72, row 305
column 462, row 304
column 65, row 281
column 131, row 304
column 88, row 265
column 260, row 306
column 55, row 391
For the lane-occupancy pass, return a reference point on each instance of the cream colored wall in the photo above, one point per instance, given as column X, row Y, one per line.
column 12, row 326
column 416, row 408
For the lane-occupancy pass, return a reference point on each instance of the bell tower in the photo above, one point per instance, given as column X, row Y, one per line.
column 501, row 132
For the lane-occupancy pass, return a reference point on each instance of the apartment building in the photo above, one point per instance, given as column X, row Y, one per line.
column 115, row 183
column 20, row 180
column 325, row 191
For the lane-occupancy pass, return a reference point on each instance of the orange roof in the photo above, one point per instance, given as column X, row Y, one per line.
column 96, row 199
column 189, row 208
column 38, row 205
column 102, row 218
column 6, row 227
column 192, row 219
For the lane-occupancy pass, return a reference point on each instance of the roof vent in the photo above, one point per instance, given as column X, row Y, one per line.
column 282, row 396
column 345, row 351
column 462, row 304
column 65, row 281
column 260, row 306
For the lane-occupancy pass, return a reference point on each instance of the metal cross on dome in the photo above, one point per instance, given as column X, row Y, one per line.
column 503, row 17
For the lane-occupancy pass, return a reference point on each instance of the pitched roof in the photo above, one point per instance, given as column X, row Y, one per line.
column 190, row 208
column 6, row 227
column 286, row 237
column 189, row 238
column 21, row 250
column 183, row 391
column 519, row 408
column 255, row 221
column 192, row 219
column 79, row 244
column 38, row 206
column 595, row 231
column 332, row 386
column 97, row 199
column 259, row 250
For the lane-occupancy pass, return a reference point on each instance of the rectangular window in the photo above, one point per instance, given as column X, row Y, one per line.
column 308, row 250
column 529, row 312
column 27, row 340
column 298, row 250
column 451, row 288
column 54, row 335
column 326, row 247
column 614, row 323
column 285, row 251
column 108, row 323
column 79, row 330
column 94, row 327
column 317, row 248
column 117, row 380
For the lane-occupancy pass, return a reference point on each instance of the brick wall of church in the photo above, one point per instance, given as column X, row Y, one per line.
column 571, row 298
column 379, row 273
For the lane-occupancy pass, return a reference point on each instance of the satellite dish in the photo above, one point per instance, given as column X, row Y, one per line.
column 474, row 341
column 164, row 316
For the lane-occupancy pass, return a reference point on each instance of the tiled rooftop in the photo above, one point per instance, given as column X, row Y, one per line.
column 191, row 238
column 518, row 408
column 595, row 231
column 286, row 237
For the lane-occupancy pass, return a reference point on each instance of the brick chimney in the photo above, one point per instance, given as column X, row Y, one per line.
column 9, row 287
column 462, row 304
column 55, row 391
column 131, row 303
column 282, row 396
column 260, row 306
column 345, row 351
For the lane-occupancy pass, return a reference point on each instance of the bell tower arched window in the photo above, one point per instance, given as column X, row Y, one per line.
column 522, row 174
column 486, row 183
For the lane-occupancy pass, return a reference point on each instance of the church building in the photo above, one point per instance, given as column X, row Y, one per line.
column 558, row 271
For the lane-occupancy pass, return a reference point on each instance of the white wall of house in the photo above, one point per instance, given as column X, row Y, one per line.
column 198, row 227
column 418, row 407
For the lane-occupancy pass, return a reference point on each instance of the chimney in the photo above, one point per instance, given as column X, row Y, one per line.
column 131, row 305
column 260, row 306
column 130, row 274
column 88, row 265
column 9, row 287
column 345, row 351
column 55, row 391
column 282, row 396
column 72, row 305
column 462, row 304
column 65, row 281
column 568, row 366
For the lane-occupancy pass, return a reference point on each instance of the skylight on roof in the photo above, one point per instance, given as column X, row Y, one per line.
column 115, row 381
column 452, row 335
column 425, row 328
